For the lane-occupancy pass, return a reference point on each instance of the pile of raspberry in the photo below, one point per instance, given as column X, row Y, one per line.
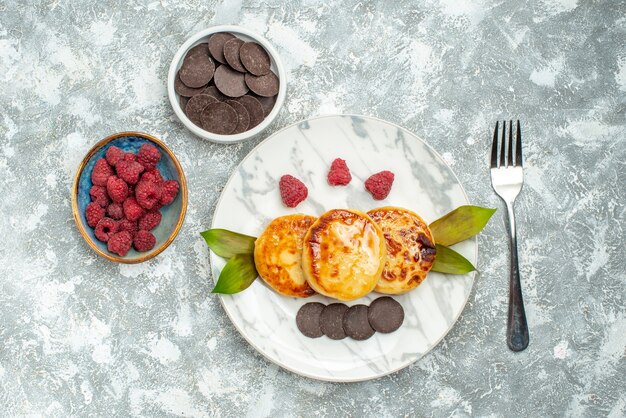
column 293, row 190
column 126, row 197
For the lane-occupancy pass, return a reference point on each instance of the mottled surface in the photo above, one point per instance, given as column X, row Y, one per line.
column 83, row 336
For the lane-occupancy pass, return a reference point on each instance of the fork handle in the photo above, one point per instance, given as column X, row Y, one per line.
column 517, row 327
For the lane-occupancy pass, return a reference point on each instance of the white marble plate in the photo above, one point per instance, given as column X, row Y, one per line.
column 423, row 183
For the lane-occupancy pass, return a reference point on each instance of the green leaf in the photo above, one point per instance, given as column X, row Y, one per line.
column 462, row 223
column 238, row 273
column 227, row 243
column 449, row 261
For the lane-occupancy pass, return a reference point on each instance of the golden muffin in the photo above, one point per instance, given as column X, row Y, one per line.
column 278, row 255
column 410, row 249
column 343, row 254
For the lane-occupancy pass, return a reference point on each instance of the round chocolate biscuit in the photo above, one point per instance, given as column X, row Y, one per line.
column 267, row 103
column 331, row 321
column 216, row 45
column 197, row 70
column 243, row 117
column 196, row 105
column 202, row 48
column 254, row 108
column 308, row 319
column 219, row 118
column 255, row 58
column 231, row 54
column 213, row 91
column 355, row 323
column 183, row 90
column 230, row 82
column 183, row 102
column 264, row 85
column 385, row 314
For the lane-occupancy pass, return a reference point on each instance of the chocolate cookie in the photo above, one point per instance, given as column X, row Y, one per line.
column 331, row 321
column 231, row 54
column 197, row 70
column 184, row 90
column 264, row 85
column 385, row 314
column 216, row 45
column 196, row 105
column 255, row 58
column 254, row 108
column 230, row 82
column 202, row 48
column 267, row 103
column 183, row 102
column 355, row 323
column 243, row 117
column 227, row 68
column 308, row 319
column 213, row 91
column 219, row 118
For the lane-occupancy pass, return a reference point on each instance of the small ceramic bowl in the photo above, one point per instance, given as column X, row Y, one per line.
column 172, row 214
column 245, row 35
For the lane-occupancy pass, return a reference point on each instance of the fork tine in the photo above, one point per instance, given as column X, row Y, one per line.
column 510, row 156
column 494, row 148
column 503, row 146
column 518, row 146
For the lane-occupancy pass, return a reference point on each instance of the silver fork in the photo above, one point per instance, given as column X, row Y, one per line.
column 507, row 177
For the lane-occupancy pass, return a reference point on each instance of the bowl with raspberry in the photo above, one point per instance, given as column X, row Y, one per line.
column 129, row 197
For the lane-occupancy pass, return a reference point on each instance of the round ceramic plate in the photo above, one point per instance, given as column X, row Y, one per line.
column 423, row 183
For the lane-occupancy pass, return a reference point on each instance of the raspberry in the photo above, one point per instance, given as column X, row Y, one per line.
column 120, row 242
column 148, row 156
column 149, row 221
column 132, row 210
column 169, row 193
column 101, row 172
column 99, row 195
column 115, row 211
column 144, row 241
column 130, row 226
column 117, row 189
column 129, row 171
column 93, row 213
column 114, row 154
column 379, row 184
column 153, row 176
column 105, row 228
column 339, row 173
column 147, row 194
column 292, row 191
column 129, row 156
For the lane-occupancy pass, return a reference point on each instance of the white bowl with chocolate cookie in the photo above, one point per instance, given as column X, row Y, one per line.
column 226, row 84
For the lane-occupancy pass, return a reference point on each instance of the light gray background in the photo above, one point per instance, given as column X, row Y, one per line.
column 83, row 336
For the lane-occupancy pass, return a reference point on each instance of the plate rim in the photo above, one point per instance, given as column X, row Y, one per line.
column 331, row 378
